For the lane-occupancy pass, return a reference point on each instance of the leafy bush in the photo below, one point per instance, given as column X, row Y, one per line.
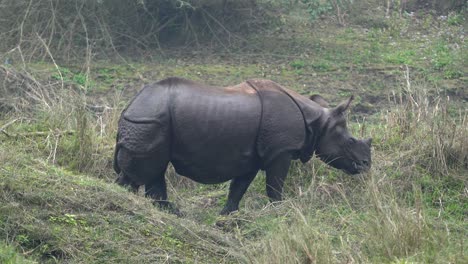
column 340, row 8
column 316, row 8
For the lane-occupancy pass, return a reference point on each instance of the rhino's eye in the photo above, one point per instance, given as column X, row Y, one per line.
column 352, row 140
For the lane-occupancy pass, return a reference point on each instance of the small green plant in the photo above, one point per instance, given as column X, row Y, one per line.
column 68, row 76
column 297, row 64
column 61, row 74
column 427, row 21
column 80, row 79
column 454, row 19
column 8, row 255
column 107, row 74
column 23, row 239
column 397, row 27
column 441, row 56
column 452, row 74
column 401, row 57
column 68, row 219
column 321, row 66
column 171, row 239
column 299, row 72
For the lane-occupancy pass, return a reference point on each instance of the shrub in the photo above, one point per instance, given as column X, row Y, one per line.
column 70, row 27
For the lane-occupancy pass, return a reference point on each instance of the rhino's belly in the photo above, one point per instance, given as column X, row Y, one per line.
column 211, row 168
column 214, row 134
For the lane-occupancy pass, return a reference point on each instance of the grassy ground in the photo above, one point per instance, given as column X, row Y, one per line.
column 59, row 203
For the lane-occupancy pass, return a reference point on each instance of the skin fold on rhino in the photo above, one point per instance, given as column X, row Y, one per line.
column 213, row 134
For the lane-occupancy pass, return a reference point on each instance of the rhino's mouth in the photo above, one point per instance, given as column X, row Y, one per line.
column 356, row 168
column 347, row 165
column 352, row 168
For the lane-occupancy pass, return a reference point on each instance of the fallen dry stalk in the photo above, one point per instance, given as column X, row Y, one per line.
column 56, row 133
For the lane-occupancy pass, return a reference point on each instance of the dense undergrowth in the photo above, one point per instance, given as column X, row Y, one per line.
column 58, row 202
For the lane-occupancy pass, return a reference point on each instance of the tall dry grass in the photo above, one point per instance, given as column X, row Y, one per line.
column 328, row 229
column 429, row 130
column 69, row 130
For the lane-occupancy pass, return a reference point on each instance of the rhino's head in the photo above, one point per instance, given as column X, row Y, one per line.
column 336, row 145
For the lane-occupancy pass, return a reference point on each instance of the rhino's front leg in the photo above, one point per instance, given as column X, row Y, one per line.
column 236, row 191
column 276, row 172
column 157, row 190
column 124, row 180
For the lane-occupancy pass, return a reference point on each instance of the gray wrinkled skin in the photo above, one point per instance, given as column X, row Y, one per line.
column 212, row 135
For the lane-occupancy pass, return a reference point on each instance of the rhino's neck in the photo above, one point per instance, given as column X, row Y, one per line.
column 316, row 131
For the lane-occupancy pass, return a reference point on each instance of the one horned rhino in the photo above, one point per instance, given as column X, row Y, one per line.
column 212, row 135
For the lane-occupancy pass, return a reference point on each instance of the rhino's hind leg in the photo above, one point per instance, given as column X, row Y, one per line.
column 236, row 190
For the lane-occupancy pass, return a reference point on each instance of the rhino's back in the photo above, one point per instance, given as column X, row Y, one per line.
column 214, row 131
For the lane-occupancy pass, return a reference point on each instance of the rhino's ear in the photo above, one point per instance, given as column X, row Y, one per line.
column 343, row 106
column 319, row 100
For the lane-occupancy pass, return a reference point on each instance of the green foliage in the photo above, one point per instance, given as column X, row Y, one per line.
column 68, row 219
column 452, row 74
column 67, row 76
column 297, row 64
column 316, row 8
column 169, row 238
column 446, row 60
column 455, row 19
column 441, row 56
column 8, row 255
column 321, row 66
column 401, row 57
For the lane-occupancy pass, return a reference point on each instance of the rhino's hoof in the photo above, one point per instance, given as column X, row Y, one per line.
column 228, row 210
column 169, row 208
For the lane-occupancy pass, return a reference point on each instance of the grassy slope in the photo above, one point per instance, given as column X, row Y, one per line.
column 410, row 208
column 52, row 214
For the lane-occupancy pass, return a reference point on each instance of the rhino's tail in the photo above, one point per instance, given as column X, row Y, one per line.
column 116, row 152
